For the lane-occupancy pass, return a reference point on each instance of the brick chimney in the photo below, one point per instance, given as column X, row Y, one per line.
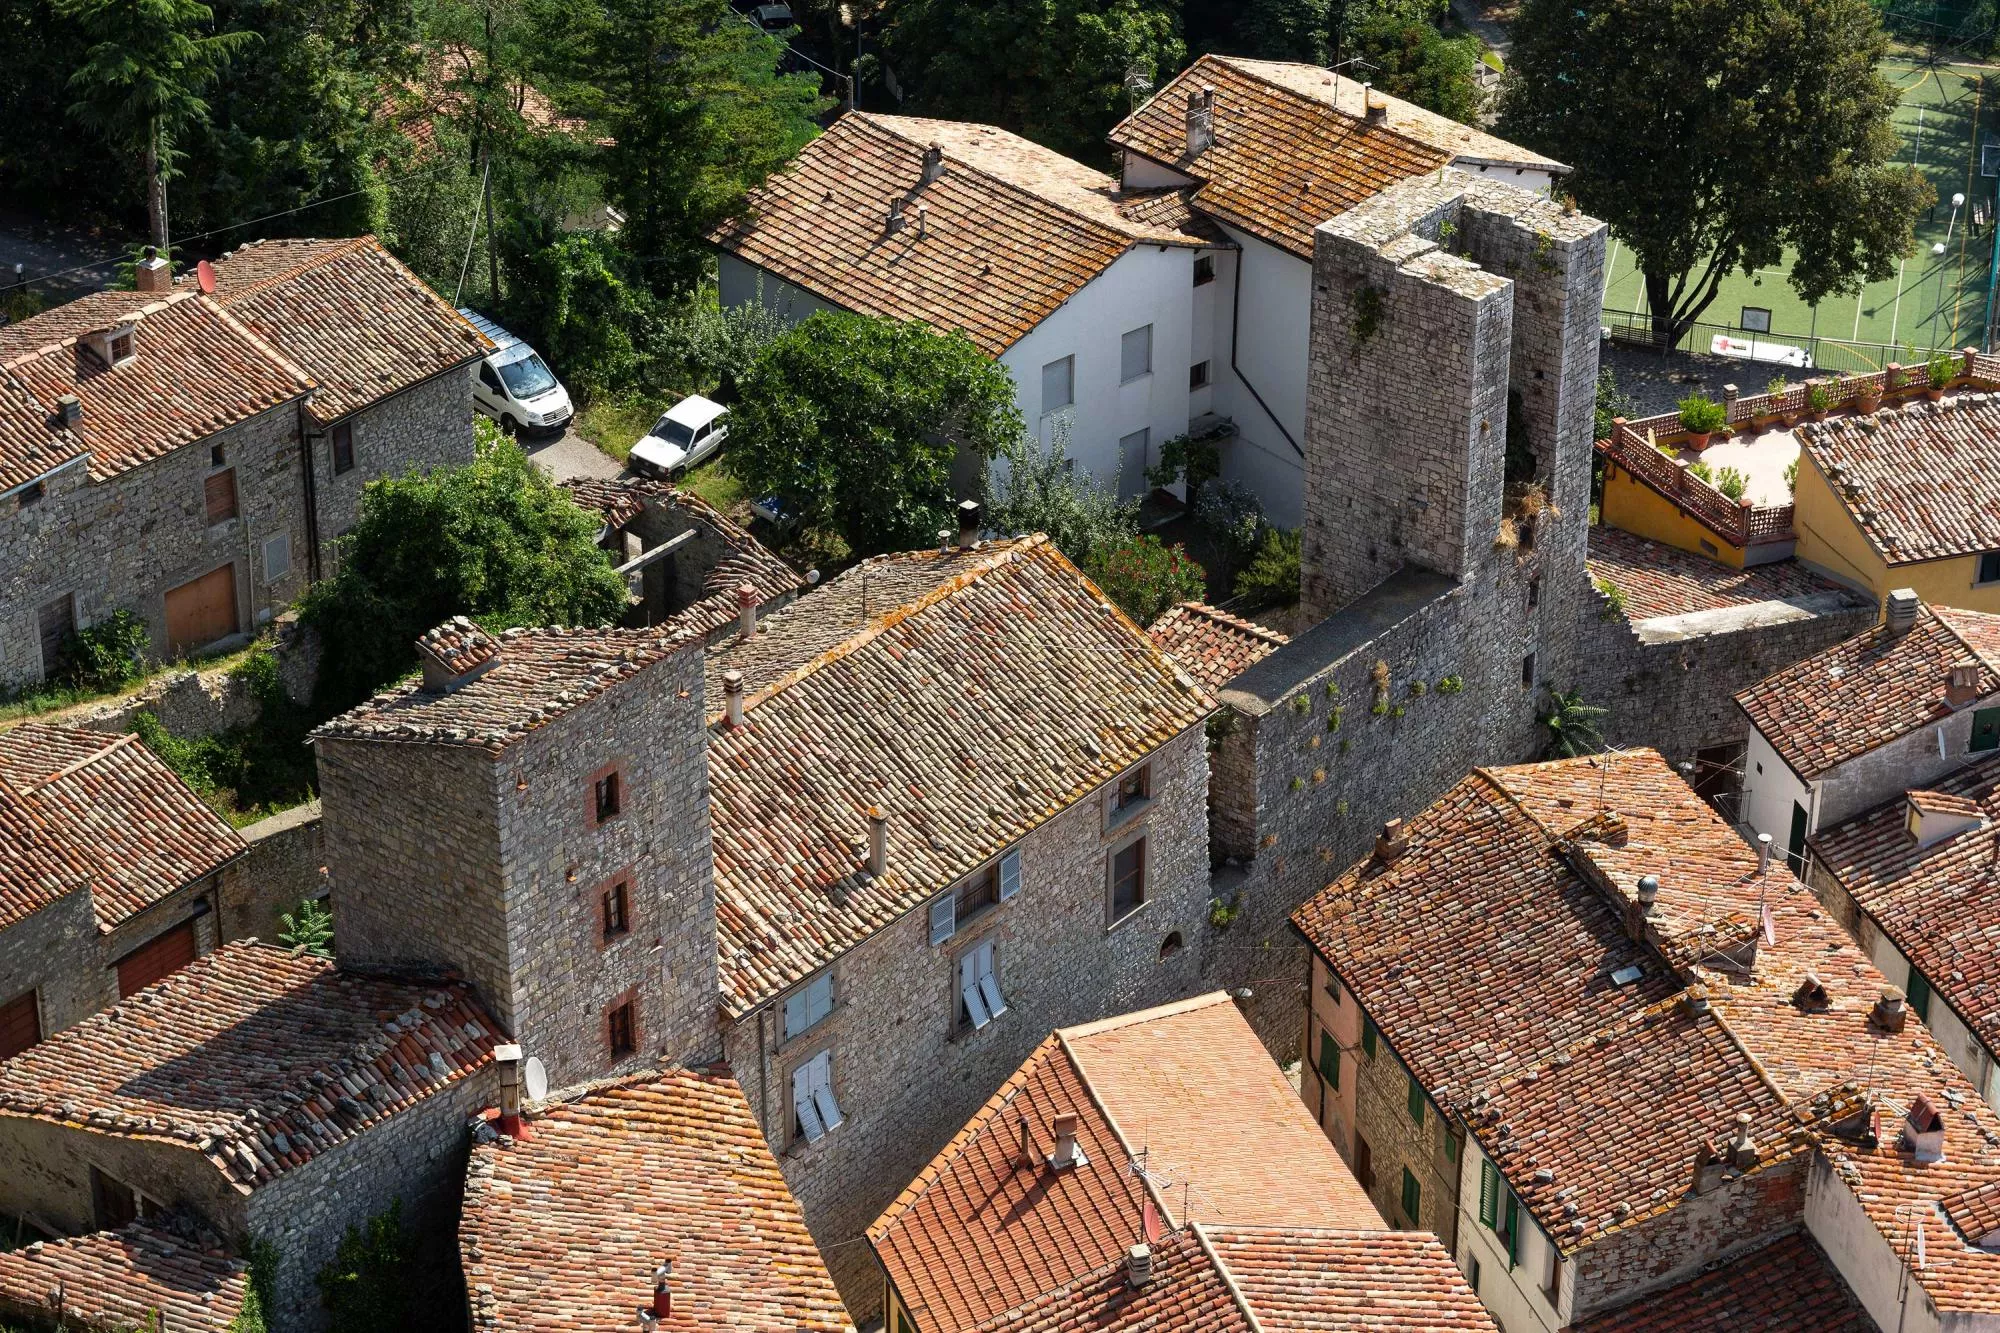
column 508, row 1059
column 933, row 162
column 1139, row 1265
column 1201, row 120
column 1891, row 1011
column 153, row 274
column 1390, row 843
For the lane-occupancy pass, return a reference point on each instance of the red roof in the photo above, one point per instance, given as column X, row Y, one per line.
column 1210, row 644
column 166, row 1269
column 1787, row 1286
column 1658, row 580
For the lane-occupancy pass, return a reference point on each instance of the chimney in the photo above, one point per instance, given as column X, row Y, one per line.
column 69, row 409
column 1763, row 853
column 1390, row 842
column 508, row 1058
column 1697, row 1001
column 1201, row 120
column 923, row 220
column 1377, row 110
column 944, row 541
column 455, row 654
column 1068, row 1152
column 1961, row 685
column 1139, row 1265
column 895, row 216
column 153, row 274
column 1742, row 1151
column 1891, row 1011
column 1923, row 1130
column 878, row 841
column 1902, row 610
column 933, row 162
column 663, row 1293
column 732, row 695
column 746, row 610
column 968, row 524
column 1027, row 1157
column 1811, row 995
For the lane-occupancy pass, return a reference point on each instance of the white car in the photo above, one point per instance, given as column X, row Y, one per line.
column 692, row 430
column 514, row 386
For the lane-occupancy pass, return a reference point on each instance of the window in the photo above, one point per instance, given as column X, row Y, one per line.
column 216, row 457
column 31, row 494
column 343, row 446
column 1552, row 1279
column 621, row 1030
column 1364, row 1162
column 814, row 1111
column 617, row 910
column 807, row 1005
column 1135, row 354
column 277, row 557
column 1416, row 1102
column 1130, row 792
column 975, row 895
column 979, row 998
column 1128, row 879
column 219, row 495
column 1447, row 1141
column 1985, row 730
column 121, row 346
column 1010, row 875
column 1989, row 568
column 1198, row 376
column 1534, row 592
column 1756, row 319
column 1329, row 1060
column 1472, row 1275
column 1204, row 270
column 944, row 918
column 1489, row 1195
column 606, row 796
column 1413, row 1197
column 1528, row 672
column 114, row 1202
column 1171, row 945
column 1919, row 993
column 1058, row 385
column 20, row 1024
column 488, row 378
column 1368, row 1036
column 1510, row 1224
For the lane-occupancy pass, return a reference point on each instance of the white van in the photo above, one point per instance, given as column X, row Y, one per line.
column 513, row 385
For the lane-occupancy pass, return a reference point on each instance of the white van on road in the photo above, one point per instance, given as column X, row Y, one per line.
column 514, row 386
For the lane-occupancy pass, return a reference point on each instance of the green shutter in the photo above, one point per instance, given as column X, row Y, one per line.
column 1413, row 1198
column 1489, row 1194
column 1450, row 1144
column 1919, row 993
column 1329, row 1059
column 1368, row 1036
column 1416, row 1102
column 1513, row 1229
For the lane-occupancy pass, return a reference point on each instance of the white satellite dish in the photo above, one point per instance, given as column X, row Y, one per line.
column 534, row 1079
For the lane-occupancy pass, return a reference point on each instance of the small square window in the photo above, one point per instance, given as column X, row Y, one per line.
column 1204, row 270
column 1528, row 671
column 121, row 347
column 1135, row 354
column 31, row 494
column 1128, row 879
column 1131, row 792
column 343, row 447
column 1989, row 567
column 277, row 557
column 608, row 797
column 810, row 1003
column 218, row 495
column 216, row 457
column 622, row 1030
column 617, row 910
column 1058, row 385
column 1198, row 376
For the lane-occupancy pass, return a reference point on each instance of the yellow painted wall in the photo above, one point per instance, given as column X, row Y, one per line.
column 1637, row 508
column 1831, row 541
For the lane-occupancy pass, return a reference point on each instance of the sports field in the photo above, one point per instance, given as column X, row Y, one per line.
column 1946, row 113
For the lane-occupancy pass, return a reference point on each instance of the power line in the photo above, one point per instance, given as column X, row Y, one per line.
column 789, row 47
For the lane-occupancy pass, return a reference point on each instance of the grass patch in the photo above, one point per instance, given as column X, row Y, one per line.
column 720, row 487
column 614, row 423
column 43, row 700
column 245, row 773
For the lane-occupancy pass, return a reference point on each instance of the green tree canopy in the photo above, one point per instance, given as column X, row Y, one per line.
column 1713, row 135
column 1060, row 72
column 493, row 539
column 855, row 422
column 1416, row 62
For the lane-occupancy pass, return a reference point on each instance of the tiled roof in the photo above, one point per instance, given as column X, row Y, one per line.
column 121, row 810
column 1787, row 1286
column 1866, row 691
column 971, row 695
column 1603, row 822
column 562, row 1231
column 1657, row 580
column 1284, row 160
column 616, row 500
column 196, row 370
column 32, row 442
column 439, row 93
column 1298, row 1280
column 256, row 1057
column 1910, row 475
column 541, row 674
column 126, row 1279
column 38, row 866
column 1009, row 232
column 361, row 324
column 1210, row 644
column 979, row 1233
column 1938, row 904
column 1187, row 1291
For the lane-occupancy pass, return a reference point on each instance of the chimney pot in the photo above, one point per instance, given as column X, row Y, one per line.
column 1763, row 853
column 663, row 1294
column 944, row 540
column 1742, row 1149
column 732, row 696
column 153, row 274
column 1697, row 1001
column 1068, row 1153
column 1027, row 1142
column 878, row 840
column 1902, row 610
column 923, row 220
column 1139, row 1265
column 746, row 610
column 1649, row 892
column 69, row 407
column 968, row 524
column 933, row 162
column 1378, row 110
column 895, row 216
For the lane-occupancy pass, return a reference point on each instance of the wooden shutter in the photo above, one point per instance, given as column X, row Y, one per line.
column 1489, row 1195
column 1329, row 1060
column 1368, row 1036
column 1513, row 1229
column 154, row 959
column 219, row 491
column 1413, row 1196
column 944, row 919
column 1416, row 1102
column 20, row 1025
column 1364, row 1163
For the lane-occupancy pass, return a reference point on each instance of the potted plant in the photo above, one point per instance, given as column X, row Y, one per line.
column 1773, row 411
column 1702, row 417
column 1868, row 394
column 1940, row 368
column 1819, row 399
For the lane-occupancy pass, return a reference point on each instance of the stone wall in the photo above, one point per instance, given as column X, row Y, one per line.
column 202, row 703
column 45, row 1176
column 1397, row 1142
column 905, row 1081
column 55, row 953
column 286, row 865
column 427, row 425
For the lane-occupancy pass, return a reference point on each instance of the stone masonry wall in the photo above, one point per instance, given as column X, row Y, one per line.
column 55, row 953
column 427, row 425
column 45, row 1176
column 286, row 865
column 1397, row 1142
column 904, row 1080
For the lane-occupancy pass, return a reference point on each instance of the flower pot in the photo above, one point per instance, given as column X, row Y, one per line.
column 1868, row 402
column 1698, row 440
column 1934, row 393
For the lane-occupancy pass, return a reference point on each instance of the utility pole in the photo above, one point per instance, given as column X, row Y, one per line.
column 486, row 163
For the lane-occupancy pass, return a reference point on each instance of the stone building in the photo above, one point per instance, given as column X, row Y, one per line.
column 112, row 874
column 1659, row 1057
column 652, row 1191
column 164, row 1274
column 190, row 451
column 275, row 1097
column 1152, row 1171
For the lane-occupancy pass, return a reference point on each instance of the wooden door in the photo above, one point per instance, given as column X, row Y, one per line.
column 155, row 959
column 53, row 622
column 203, row 611
column 20, row 1025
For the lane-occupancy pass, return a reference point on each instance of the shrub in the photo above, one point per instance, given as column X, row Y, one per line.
column 706, row 349
column 1272, row 576
column 310, row 927
column 365, row 1286
column 1792, row 476
column 1572, row 725
column 1183, row 458
column 1145, row 577
column 1702, row 415
column 1042, row 492
column 1731, row 483
column 1819, row 397
column 1941, row 368
column 107, row 656
column 1230, row 511
column 1614, row 598
column 1611, row 403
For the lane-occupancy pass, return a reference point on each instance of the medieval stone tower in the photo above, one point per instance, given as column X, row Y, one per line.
column 535, row 816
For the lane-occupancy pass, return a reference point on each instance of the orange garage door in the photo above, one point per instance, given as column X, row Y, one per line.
column 154, row 959
column 203, row 611
column 20, row 1025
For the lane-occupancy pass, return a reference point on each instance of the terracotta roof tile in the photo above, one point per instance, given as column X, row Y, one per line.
column 972, row 695
column 1010, row 230
column 165, row 1269
column 1657, row 580
column 1786, row 1286
column 1187, row 1291
column 1866, row 691
column 259, row 1058
column 1908, row 475
column 362, row 325
column 563, row 1230
column 1298, row 1280
column 38, row 866
column 123, row 812
column 1210, row 644
column 32, row 442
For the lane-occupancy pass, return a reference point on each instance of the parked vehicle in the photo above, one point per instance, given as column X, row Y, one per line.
column 691, row 431
column 514, row 386
column 774, row 18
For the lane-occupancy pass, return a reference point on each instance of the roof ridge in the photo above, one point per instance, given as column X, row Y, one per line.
column 1221, row 1268
column 336, row 247
column 1117, row 1130
column 113, row 743
column 1171, row 1009
column 1233, row 63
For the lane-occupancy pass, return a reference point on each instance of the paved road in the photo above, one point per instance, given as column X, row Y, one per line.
column 571, row 456
column 41, row 248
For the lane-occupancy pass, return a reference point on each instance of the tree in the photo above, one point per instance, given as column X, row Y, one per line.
column 1043, row 492
column 493, row 539
column 570, row 294
column 691, row 108
column 1145, row 576
column 141, row 81
column 1572, row 725
column 1416, row 62
column 365, row 1286
column 1060, row 72
column 855, row 423
column 1714, row 135
column 309, row 928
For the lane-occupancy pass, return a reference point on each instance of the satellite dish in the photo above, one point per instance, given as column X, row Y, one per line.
column 534, row 1079
column 204, row 274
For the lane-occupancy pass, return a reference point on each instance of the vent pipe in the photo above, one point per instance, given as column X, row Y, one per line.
column 1649, row 893
column 968, row 524
column 732, row 695
column 878, row 841
column 1763, row 853
column 663, row 1294
column 1901, row 613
